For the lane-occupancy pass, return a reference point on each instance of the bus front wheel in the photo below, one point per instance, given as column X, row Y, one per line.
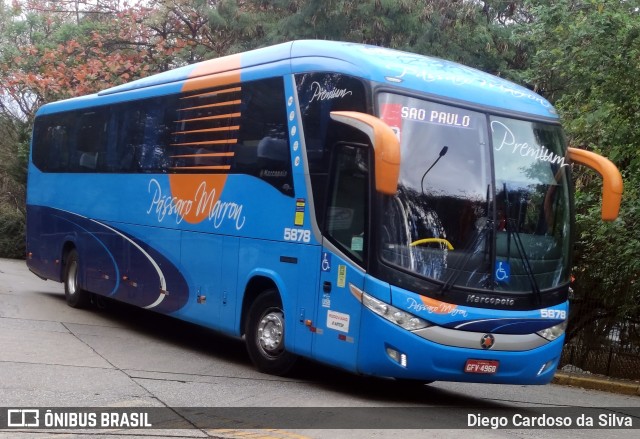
column 264, row 335
column 76, row 296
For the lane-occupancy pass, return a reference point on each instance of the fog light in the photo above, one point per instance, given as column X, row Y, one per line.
column 398, row 357
column 545, row 367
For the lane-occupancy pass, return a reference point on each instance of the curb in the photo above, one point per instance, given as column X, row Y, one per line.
column 597, row 383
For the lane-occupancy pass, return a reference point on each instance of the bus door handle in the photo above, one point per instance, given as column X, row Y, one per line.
column 326, row 286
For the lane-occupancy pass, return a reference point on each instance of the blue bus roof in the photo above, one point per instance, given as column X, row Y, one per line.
column 410, row 71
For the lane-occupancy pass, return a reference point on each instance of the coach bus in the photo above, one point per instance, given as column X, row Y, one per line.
column 386, row 213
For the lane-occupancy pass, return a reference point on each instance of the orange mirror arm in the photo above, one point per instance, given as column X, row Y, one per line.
column 611, row 180
column 385, row 144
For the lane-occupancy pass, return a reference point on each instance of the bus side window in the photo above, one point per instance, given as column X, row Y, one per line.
column 49, row 144
column 91, row 140
column 128, row 137
column 319, row 94
column 143, row 135
column 150, row 151
column 59, row 138
column 263, row 140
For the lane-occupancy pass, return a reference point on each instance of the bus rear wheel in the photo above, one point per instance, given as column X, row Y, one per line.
column 264, row 335
column 76, row 296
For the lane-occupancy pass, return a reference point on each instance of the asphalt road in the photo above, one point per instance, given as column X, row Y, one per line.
column 55, row 356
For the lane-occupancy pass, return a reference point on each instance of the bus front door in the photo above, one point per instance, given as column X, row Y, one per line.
column 343, row 257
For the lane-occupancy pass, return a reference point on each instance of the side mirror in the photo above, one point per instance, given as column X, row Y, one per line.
column 611, row 180
column 385, row 143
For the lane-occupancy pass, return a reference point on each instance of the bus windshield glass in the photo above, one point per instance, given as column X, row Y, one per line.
column 482, row 202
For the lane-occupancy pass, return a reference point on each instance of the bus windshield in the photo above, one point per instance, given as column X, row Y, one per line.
column 482, row 201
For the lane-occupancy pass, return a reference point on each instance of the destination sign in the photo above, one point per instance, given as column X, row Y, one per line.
column 447, row 118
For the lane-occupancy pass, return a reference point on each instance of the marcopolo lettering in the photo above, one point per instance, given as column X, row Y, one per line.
column 487, row 300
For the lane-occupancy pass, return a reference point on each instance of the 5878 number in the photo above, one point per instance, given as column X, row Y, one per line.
column 297, row 235
column 553, row 314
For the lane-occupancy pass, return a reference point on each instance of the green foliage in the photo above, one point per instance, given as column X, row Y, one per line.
column 607, row 265
column 12, row 228
column 465, row 31
column 587, row 61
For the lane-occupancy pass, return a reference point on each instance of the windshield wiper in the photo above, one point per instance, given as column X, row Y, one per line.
column 469, row 250
column 523, row 255
column 512, row 228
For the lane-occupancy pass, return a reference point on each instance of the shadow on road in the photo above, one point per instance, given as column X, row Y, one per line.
column 231, row 350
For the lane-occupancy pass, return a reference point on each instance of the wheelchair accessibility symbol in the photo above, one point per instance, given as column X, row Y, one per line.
column 326, row 261
column 503, row 271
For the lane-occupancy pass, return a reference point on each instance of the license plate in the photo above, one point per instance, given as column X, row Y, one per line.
column 481, row 366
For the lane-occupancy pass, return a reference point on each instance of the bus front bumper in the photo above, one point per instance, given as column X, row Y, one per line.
column 388, row 350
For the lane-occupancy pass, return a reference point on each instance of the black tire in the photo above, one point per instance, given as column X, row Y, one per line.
column 264, row 335
column 76, row 296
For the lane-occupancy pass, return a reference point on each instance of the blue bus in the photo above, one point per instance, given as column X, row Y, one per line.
column 387, row 213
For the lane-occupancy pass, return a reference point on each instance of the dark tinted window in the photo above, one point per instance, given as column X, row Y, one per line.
column 262, row 147
column 234, row 129
column 142, row 135
column 72, row 142
column 347, row 209
column 319, row 94
column 51, row 148
column 91, row 138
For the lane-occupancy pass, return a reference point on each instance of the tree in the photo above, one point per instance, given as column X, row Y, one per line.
column 51, row 51
column 62, row 53
column 475, row 33
column 587, row 62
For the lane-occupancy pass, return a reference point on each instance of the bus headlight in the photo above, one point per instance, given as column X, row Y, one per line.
column 553, row 332
column 393, row 314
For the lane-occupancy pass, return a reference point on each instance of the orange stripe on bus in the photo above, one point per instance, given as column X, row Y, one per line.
column 210, row 130
column 219, row 72
column 213, row 93
column 203, row 190
column 212, row 154
column 438, row 307
column 212, row 142
column 215, row 80
column 199, row 119
column 210, row 168
column 219, row 104
column 217, row 65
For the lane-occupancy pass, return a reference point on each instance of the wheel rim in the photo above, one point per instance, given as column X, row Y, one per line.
column 270, row 333
column 72, row 278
